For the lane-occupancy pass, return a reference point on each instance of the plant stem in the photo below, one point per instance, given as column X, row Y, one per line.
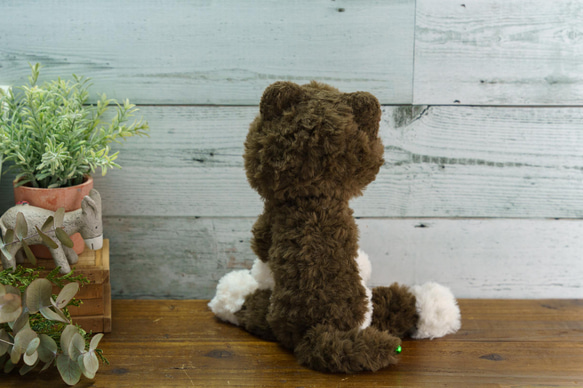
column 6, row 342
column 16, row 241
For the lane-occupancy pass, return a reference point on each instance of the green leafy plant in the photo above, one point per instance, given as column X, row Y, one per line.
column 52, row 137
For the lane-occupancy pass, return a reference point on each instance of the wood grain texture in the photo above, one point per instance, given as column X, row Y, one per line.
column 204, row 52
column 180, row 343
column 478, row 258
column 179, row 258
column 183, row 258
column 440, row 162
column 94, row 313
column 498, row 52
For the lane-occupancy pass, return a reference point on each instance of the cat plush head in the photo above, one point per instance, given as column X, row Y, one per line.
column 313, row 141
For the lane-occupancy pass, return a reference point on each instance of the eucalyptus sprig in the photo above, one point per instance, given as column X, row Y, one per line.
column 17, row 238
column 53, row 137
column 36, row 327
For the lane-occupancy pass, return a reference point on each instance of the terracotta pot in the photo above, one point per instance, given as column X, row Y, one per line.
column 51, row 199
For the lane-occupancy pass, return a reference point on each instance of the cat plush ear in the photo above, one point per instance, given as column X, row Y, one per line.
column 279, row 97
column 366, row 109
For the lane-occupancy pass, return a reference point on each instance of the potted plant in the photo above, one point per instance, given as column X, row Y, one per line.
column 54, row 139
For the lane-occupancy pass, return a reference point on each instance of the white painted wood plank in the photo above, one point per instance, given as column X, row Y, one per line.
column 201, row 192
column 498, row 52
column 164, row 257
column 440, row 162
column 484, row 162
column 212, row 52
column 210, row 136
column 479, row 258
column 418, row 189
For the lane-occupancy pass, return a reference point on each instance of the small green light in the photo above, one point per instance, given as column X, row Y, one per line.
column 399, row 349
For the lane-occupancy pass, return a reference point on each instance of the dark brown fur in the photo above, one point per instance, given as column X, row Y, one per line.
column 394, row 309
column 308, row 153
column 253, row 314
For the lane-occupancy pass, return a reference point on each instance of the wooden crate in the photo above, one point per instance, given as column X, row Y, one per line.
column 94, row 314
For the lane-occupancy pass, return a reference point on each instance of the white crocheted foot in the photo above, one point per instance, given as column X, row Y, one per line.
column 231, row 292
column 438, row 311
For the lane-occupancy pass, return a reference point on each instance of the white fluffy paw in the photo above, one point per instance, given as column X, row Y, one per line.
column 262, row 273
column 365, row 271
column 231, row 292
column 438, row 311
column 364, row 266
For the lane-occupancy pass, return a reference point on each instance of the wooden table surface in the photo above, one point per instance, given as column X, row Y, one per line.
column 180, row 343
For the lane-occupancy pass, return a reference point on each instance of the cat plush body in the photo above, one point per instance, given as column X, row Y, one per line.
column 310, row 150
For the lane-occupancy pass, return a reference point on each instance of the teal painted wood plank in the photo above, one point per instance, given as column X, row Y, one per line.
column 498, row 52
column 417, row 188
column 184, row 257
column 440, row 162
column 212, row 52
column 495, row 258
column 201, row 192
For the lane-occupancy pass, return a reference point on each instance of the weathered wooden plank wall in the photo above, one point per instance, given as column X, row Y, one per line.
column 465, row 190
column 499, row 52
column 212, row 52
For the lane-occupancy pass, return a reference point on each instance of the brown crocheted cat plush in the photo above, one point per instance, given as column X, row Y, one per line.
column 310, row 150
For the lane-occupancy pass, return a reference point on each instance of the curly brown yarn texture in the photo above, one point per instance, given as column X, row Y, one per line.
column 311, row 150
